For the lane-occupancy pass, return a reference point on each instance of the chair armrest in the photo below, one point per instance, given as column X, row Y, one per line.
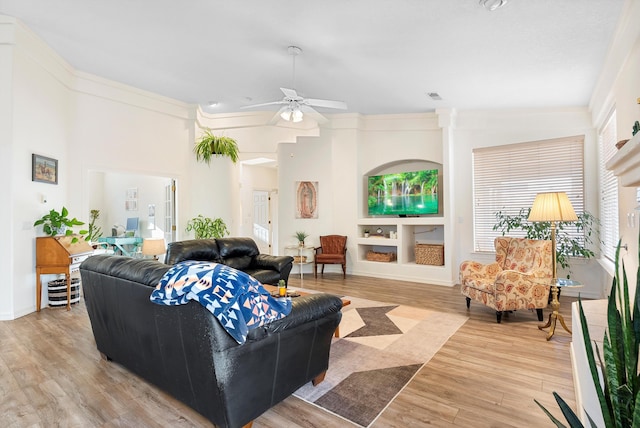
column 277, row 263
column 318, row 250
column 471, row 268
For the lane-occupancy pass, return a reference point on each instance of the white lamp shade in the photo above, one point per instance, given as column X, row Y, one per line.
column 552, row 206
column 297, row 115
column 286, row 115
column 153, row 246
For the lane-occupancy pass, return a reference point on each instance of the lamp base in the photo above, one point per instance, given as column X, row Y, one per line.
column 554, row 316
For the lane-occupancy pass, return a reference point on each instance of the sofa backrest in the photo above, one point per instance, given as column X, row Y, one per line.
column 237, row 252
column 194, row 249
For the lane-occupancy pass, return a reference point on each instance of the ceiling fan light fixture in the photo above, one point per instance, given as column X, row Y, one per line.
column 492, row 5
column 286, row 115
column 297, row 115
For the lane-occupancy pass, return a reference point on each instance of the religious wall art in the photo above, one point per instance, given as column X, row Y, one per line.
column 306, row 199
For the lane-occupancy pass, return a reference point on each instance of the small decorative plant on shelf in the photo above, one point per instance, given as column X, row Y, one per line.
column 206, row 228
column 300, row 236
column 211, row 145
column 57, row 223
column 94, row 232
column 567, row 245
column 619, row 390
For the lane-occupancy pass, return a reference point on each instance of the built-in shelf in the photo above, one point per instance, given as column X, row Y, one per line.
column 626, row 163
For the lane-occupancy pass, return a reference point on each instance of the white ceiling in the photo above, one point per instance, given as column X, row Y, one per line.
column 379, row 56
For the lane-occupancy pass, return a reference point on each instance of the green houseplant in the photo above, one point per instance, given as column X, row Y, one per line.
column 300, row 236
column 205, row 227
column 58, row 223
column 211, row 145
column 94, row 232
column 567, row 245
column 618, row 392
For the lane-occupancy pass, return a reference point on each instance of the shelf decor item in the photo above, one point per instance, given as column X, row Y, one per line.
column 374, row 256
column 429, row 254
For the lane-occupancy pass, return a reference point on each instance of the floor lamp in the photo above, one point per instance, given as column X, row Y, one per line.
column 553, row 207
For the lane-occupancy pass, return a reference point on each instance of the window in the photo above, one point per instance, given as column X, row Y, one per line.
column 508, row 178
column 608, row 189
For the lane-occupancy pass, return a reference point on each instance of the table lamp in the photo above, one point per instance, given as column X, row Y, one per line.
column 153, row 247
column 553, row 207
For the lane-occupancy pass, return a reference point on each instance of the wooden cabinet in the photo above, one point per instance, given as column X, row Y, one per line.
column 59, row 255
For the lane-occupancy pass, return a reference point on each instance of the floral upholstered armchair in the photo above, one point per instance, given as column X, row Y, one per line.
column 520, row 278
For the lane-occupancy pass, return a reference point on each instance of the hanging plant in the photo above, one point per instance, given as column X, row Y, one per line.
column 211, row 145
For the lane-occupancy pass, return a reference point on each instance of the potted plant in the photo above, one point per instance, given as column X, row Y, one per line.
column 567, row 245
column 618, row 386
column 94, row 232
column 58, row 223
column 210, row 145
column 300, row 236
column 206, row 228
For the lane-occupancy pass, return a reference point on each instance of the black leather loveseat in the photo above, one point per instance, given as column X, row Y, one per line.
column 184, row 350
column 239, row 253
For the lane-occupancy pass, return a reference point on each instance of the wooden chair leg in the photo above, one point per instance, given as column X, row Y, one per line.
column 499, row 316
column 344, row 270
column 468, row 302
column 540, row 315
column 315, row 269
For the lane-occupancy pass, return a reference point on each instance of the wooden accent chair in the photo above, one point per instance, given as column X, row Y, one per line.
column 520, row 278
column 332, row 250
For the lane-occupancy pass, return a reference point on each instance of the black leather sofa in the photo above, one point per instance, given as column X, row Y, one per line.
column 239, row 253
column 184, row 351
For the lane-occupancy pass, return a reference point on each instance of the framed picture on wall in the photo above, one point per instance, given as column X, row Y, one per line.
column 44, row 169
column 306, row 199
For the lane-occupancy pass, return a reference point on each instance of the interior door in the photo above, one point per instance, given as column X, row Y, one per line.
column 262, row 221
column 170, row 212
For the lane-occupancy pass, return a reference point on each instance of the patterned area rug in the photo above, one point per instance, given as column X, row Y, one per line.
column 381, row 347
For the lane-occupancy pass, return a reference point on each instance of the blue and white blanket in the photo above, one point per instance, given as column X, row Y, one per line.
column 236, row 299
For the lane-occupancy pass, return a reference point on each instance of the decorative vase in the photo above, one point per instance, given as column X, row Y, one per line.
column 300, row 243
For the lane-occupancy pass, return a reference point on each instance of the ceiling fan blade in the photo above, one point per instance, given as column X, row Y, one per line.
column 341, row 105
column 276, row 117
column 265, row 104
column 289, row 93
column 313, row 114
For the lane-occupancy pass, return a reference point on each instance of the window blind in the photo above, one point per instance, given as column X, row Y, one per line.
column 507, row 178
column 608, row 189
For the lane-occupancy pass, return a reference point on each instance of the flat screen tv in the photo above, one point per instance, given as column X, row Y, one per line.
column 404, row 194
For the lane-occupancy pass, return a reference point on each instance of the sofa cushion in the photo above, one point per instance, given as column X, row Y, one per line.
column 194, row 249
column 237, row 247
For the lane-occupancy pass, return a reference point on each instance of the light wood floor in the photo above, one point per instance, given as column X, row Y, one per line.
column 486, row 375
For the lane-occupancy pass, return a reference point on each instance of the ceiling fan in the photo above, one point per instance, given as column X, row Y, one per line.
column 294, row 107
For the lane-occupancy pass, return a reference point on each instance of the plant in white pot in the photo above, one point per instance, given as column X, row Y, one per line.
column 56, row 223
